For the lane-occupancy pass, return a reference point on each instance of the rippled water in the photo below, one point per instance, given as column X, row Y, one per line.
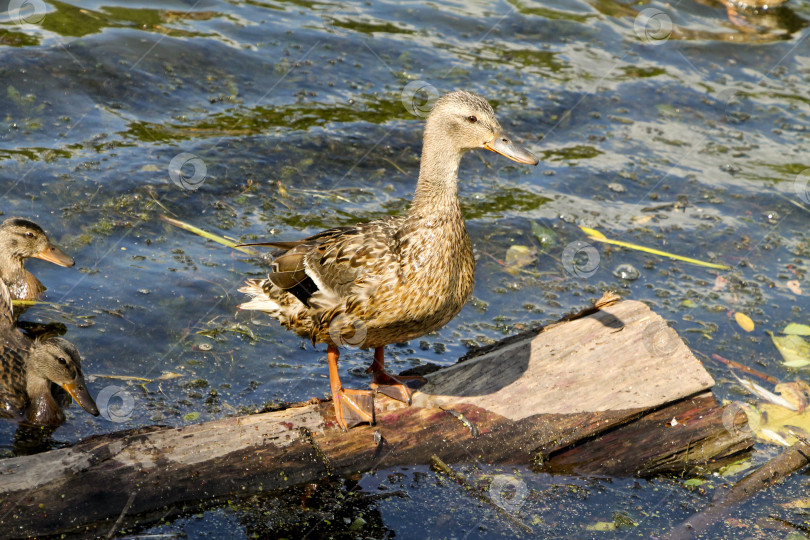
column 679, row 126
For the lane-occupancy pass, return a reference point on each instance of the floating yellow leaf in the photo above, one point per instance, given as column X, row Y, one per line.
column 165, row 376
column 744, row 321
column 519, row 256
column 798, row 503
column 780, row 425
column 794, row 393
column 602, row 526
column 593, row 233
column 797, row 329
column 597, row 236
column 794, row 350
column 210, row 236
column 736, row 468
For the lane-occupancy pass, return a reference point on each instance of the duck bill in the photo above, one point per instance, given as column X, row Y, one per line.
column 55, row 255
column 78, row 391
column 504, row 146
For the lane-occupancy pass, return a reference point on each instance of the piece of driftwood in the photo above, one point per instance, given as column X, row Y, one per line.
column 595, row 393
column 777, row 469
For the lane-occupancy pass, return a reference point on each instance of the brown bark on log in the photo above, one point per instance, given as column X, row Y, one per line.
column 593, row 394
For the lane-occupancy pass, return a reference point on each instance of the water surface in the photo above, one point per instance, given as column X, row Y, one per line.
column 684, row 128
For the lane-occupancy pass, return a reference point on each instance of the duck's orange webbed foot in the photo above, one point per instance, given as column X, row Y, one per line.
column 352, row 407
column 393, row 386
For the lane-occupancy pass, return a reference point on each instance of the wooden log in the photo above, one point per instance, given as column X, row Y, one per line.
column 777, row 469
column 593, row 393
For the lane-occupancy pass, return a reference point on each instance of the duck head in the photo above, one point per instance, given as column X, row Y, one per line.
column 463, row 121
column 21, row 238
column 54, row 361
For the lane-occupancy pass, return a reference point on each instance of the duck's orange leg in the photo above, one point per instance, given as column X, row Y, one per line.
column 352, row 407
column 393, row 386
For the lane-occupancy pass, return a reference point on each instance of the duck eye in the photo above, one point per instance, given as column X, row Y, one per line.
column 29, row 234
column 62, row 360
column 472, row 119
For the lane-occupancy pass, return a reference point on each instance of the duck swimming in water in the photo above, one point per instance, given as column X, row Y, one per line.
column 29, row 369
column 393, row 279
column 21, row 239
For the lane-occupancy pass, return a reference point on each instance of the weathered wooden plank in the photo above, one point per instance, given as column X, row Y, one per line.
column 684, row 437
column 527, row 401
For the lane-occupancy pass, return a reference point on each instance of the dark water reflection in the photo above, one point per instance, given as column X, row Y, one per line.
column 297, row 111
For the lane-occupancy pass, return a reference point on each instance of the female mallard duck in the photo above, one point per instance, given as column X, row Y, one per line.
column 19, row 240
column 29, row 369
column 393, row 279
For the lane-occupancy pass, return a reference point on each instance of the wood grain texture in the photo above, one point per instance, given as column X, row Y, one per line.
column 586, row 395
column 621, row 357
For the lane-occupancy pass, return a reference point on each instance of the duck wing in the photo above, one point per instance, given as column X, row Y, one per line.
column 338, row 263
column 13, row 400
column 6, row 309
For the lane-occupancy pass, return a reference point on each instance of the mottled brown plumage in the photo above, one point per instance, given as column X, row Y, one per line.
column 20, row 239
column 28, row 369
column 392, row 279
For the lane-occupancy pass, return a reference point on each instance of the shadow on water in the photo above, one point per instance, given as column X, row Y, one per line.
column 29, row 440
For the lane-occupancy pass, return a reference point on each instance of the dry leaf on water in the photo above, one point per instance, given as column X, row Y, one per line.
column 744, row 321
column 794, row 350
column 519, row 256
column 797, row 329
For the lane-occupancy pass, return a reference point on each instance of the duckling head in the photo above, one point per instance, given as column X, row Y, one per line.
column 462, row 121
column 55, row 360
column 21, row 238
